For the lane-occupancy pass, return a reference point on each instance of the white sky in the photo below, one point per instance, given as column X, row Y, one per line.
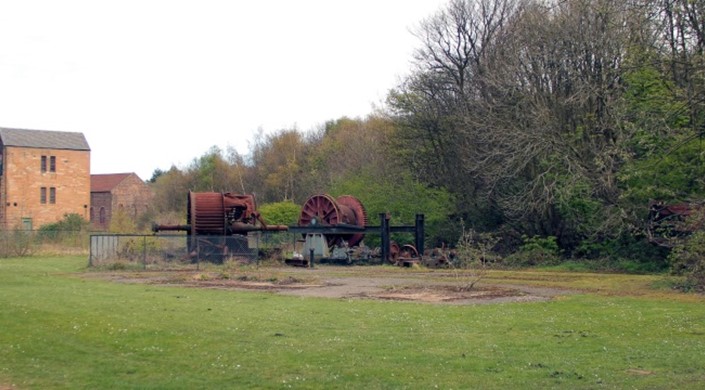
column 156, row 83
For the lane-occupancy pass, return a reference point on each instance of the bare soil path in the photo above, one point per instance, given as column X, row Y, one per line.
column 346, row 283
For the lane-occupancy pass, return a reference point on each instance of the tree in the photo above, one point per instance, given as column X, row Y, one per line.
column 170, row 192
column 517, row 106
column 155, row 175
column 277, row 159
column 551, row 139
column 432, row 106
column 347, row 146
column 212, row 173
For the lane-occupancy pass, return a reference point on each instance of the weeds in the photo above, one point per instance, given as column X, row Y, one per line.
column 473, row 255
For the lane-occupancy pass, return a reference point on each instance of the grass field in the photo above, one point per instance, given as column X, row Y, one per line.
column 61, row 330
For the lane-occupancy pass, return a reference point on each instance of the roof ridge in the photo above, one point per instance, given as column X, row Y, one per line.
column 43, row 139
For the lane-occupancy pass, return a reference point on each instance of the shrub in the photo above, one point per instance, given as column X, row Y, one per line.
column 17, row 242
column 535, row 251
column 70, row 223
column 280, row 213
column 474, row 254
column 626, row 253
column 688, row 258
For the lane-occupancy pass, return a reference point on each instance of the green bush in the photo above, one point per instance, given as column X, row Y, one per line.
column 535, row 251
column 70, row 223
column 280, row 213
column 626, row 253
column 688, row 258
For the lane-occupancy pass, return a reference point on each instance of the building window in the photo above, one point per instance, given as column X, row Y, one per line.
column 43, row 195
column 48, row 164
column 101, row 215
column 52, row 195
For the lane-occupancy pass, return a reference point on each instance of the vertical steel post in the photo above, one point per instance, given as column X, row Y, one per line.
column 384, row 227
column 419, row 234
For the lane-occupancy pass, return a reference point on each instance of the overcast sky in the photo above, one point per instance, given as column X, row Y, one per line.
column 156, row 83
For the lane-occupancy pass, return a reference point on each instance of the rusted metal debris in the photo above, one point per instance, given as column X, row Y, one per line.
column 668, row 223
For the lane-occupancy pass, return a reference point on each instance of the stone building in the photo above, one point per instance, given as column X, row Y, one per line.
column 111, row 193
column 44, row 175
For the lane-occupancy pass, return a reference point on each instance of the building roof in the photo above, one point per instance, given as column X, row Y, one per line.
column 107, row 182
column 43, row 139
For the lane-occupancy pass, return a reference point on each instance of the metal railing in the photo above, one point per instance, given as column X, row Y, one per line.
column 137, row 251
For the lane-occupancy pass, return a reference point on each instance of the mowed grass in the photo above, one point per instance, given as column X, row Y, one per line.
column 60, row 330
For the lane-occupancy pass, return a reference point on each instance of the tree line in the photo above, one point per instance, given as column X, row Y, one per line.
column 525, row 118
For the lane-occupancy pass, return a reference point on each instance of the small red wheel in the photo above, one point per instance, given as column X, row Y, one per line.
column 408, row 251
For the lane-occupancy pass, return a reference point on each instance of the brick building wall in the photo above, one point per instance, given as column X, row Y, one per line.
column 133, row 196
column 101, row 210
column 113, row 193
column 39, row 185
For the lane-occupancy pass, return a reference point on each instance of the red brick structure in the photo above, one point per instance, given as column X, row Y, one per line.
column 44, row 175
column 117, row 191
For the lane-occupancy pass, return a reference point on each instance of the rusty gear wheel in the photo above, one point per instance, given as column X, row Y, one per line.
column 324, row 210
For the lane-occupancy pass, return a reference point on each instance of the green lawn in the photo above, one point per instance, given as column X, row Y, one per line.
column 59, row 330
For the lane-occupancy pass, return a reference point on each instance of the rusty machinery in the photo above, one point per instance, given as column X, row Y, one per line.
column 333, row 226
column 217, row 223
column 344, row 211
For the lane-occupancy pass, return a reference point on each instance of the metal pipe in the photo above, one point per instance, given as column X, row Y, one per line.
column 170, row 228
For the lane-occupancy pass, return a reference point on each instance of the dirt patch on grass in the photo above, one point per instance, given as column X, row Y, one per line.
column 450, row 294
column 343, row 283
column 416, row 290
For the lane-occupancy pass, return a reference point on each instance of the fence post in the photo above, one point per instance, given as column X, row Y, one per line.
column 144, row 252
column 198, row 254
column 90, row 250
column 257, row 248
